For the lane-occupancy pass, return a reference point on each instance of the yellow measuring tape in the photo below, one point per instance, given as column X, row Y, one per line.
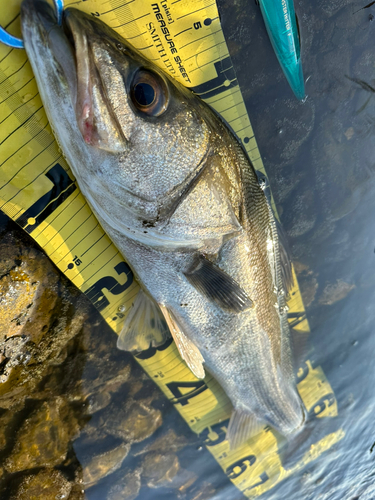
column 39, row 192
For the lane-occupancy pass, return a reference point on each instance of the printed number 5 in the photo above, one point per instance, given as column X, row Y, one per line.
column 242, row 465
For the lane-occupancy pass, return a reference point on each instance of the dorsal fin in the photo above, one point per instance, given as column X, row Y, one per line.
column 144, row 326
column 188, row 350
column 217, row 285
column 284, row 248
column 285, row 258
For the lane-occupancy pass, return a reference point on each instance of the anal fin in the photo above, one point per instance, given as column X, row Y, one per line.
column 241, row 427
column 144, row 326
column 217, row 285
column 188, row 350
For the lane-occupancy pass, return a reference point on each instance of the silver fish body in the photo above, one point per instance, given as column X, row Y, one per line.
column 175, row 192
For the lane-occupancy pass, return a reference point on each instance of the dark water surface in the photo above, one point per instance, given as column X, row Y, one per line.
column 90, row 419
column 320, row 158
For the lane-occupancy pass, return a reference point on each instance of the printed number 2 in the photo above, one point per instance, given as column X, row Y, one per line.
column 95, row 292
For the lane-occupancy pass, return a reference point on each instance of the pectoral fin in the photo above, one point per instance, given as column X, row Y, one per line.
column 241, row 427
column 188, row 350
column 144, row 326
column 217, row 286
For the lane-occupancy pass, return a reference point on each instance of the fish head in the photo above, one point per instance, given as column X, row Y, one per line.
column 131, row 134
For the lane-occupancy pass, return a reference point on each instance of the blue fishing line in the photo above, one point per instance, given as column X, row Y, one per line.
column 17, row 43
column 59, row 6
column 10, row 40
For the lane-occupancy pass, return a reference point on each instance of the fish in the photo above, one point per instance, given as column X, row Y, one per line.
column 174, row 190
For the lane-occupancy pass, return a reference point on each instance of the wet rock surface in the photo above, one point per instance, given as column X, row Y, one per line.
column 79, row 419
column 39, row 314
column 307, row 282
column 333, row 292
column 44, row 437
column 127, row 488
column 96, row 467
column 48, row 484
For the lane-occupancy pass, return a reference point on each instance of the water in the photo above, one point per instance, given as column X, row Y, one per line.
column 319, row 156
column 92, row 413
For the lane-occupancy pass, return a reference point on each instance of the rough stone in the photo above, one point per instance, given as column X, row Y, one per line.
column 17, row 295
column 302, row 216
column 168, row 442
column 48, row 484
column 100, row 466
column 162, row 470
column 126, row 488
column 27, row 290
column 43, row 438
column 39, row 314
column 101, row 377
column 6, row 419
column 97, row 401
column 77, row 493
column 333, row 292
column 205, row 491
column 307, row 281
column 133, row 421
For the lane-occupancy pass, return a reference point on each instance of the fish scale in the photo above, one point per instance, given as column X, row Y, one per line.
column 134, row 159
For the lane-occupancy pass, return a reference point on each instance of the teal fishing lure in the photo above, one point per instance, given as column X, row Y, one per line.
column 280, row 20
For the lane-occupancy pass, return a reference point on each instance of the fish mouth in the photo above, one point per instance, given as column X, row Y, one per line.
column 92, row 42
column 74, row 47
column 40, row 27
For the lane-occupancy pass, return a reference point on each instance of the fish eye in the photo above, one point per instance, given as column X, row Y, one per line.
column 149, row 93
column 144, row 94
